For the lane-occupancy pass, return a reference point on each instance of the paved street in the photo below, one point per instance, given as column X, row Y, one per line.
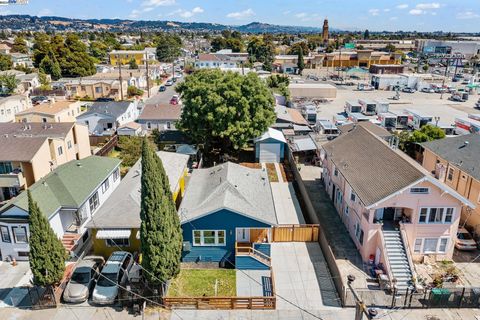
column 162, row 97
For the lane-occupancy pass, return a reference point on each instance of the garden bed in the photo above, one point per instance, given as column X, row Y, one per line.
column 272, row 172
column 202, row 283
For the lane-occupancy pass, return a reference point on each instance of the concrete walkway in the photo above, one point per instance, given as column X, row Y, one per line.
column 250, row 283
column 286, row 204
column 12, row 279
column 302, row 277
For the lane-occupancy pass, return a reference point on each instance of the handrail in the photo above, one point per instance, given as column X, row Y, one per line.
column 251, row 252
column 387, row 261
column 405, row 242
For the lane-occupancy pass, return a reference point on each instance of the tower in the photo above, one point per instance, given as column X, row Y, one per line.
column 325, row 30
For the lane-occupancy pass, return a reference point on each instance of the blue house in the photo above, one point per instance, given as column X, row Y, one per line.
column 227, row 214
column 270, row 147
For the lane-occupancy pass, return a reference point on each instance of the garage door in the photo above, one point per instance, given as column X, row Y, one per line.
column 269, row 152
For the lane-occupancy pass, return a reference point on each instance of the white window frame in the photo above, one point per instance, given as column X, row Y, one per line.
column 6, row 237
column 450, row 174
column 116, row 174
column 105, row 185
column 96, row 203
column 69, row 144
column 417, row 245
column 202, row 237
column 438, row 244
column 444, row 214
column 15, row 235
column 419, row 190
column 346, row 210
column 115, row 244
column 353, row 196
column 60, row 150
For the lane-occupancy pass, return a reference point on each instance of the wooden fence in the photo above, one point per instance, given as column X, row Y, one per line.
column 295, row 233
column 108, row 146
column 221, row 303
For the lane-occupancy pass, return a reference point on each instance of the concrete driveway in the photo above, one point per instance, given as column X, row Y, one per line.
column 12, row 283
column 302, row 277
column 286, row 204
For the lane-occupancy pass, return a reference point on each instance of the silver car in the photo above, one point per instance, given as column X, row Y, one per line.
column 114, row 273
column 82, row 280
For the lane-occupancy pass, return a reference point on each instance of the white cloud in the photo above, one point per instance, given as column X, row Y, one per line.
column 424, row 6
column 374, row 12
column 44, row 12
column 468, row 15
column 134, row 14
column 416, row 12
column 158, row 3
column 148, row 9
column 239, row 15
column 402, row 6
column 186, row 13
column 197, row 10
column 301, row 15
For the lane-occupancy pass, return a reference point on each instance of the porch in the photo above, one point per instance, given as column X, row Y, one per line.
column 73, row 230
column 391, row 217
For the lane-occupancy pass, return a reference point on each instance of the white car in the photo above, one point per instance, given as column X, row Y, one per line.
column 464, row 240
column 428, row 90
column 114, row 273
column 169, row 82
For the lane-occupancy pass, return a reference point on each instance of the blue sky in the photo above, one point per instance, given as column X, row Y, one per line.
column 447, row 15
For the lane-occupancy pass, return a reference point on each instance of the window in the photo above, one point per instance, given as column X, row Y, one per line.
column 5, row 234
column 5, row 167
column 149, row 125
column 209, row 237
column 436, row 215
column 359, row 233
column 69, row 144
column 442, row 247
column 60, row 150
column 23, row 253
column 450, row 174
column 169, row 125
column 418, row 246
column 335, row 173
column 353, row 196
column 93, row 202
column 124, row 242
column 430, row 245
column 419, row 190
column 346, row 211
column 98, row 89
column 20, row 234
column 105, row 185
column 86, row 122
column 116, row 174
column 82, row 88
column 44, row 120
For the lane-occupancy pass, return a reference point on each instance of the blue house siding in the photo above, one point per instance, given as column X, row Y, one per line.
column 263, row 248
column 249, row 263
column 257, row 148
column 220, row 220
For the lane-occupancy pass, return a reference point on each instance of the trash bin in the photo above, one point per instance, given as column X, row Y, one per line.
column 475, row 297
column 439, row 296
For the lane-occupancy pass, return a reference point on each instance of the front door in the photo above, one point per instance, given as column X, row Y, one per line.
column 243, row 235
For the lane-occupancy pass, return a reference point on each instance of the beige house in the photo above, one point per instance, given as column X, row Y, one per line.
column 60, row 111
column 94, row 89
column 31, row 150
column 455, row 161
column 10, row 106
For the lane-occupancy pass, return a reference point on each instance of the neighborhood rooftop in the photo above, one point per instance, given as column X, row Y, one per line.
column 68, row 186
column 111, row 108
column 122, row 209
column 462, row 152
column 161, row 112
column 229, row 186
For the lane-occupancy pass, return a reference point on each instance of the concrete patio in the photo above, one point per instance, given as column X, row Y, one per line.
column 253, row 283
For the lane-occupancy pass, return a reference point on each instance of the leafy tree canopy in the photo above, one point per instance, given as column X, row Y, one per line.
column 19, row 45
column 225, row 109
column 5, row 62
column 168, row 47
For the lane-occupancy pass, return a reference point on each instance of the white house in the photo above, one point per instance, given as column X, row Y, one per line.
column 69, row 196
column 104, row 118
column 223, row 59
column 10, row 106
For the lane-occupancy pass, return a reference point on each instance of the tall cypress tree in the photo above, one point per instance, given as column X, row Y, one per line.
column 160, row 232
column 300, row 62
column 47, row 254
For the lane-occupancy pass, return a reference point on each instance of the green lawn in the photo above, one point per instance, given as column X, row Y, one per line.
column 201, row 282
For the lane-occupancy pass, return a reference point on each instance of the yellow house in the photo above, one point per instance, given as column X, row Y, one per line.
column 32, row 150
column 60, row 111
column 455, row 161
column 94, row 89
column 125, row 56
column 116, row 226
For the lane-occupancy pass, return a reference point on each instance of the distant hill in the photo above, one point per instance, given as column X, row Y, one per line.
column 27, row 22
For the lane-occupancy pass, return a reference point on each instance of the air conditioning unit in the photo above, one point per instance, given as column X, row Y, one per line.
column 187, row 247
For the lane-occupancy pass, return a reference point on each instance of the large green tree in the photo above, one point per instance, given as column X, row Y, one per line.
column 19, row 45
column 47, row 254
column 49, row 65
column 225, row 109
column 407, row 141
column 5, row 62
column 168, row 47
column 261, row 49
column 8, row 83
column 160, row 232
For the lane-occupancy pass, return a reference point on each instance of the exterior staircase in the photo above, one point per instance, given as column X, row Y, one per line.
column 69, row 240
column 397, row 258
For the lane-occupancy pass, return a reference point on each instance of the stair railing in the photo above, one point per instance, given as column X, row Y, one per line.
column 409, row 253
column 387, row 261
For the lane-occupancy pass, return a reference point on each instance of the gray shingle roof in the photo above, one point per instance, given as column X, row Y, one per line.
column 463, row 156
column 372, row 127
column 370, row 166
column 111, row 108
column 231, row 186
column 122, row 208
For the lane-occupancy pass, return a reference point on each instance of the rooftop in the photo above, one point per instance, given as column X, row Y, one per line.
column 122, row 208
column 68, row 186
column 228, row 186
column 161, row 112
column 111, row 108
column 49, row 108
column 35, row 129
column 290, row 115
column 373, row 128
column 462, row 152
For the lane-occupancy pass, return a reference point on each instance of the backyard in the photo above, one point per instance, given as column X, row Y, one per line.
column 204, row 283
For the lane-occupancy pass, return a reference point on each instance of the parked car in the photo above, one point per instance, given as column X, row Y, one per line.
column 440, row 90
column 428, row 90
column 162, row 88
column 312, row 77
column 105, row 99
column 39, row 99
column 114, row 273
column 169, row 82
column 83, row 279
column 175, row 99
column 464, row 240
column 408, row 90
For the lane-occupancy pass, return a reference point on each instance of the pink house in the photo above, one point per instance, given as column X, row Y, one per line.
column 394, row 210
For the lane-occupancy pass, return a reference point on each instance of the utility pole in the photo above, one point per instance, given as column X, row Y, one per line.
column 444, row 77
column 148, row 75
column 120, row 79
column 360, row 307
column 340, row 60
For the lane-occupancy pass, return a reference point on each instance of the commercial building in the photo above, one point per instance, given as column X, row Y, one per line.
column 466, row 48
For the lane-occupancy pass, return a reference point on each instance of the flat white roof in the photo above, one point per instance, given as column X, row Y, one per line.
column 311, row 86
